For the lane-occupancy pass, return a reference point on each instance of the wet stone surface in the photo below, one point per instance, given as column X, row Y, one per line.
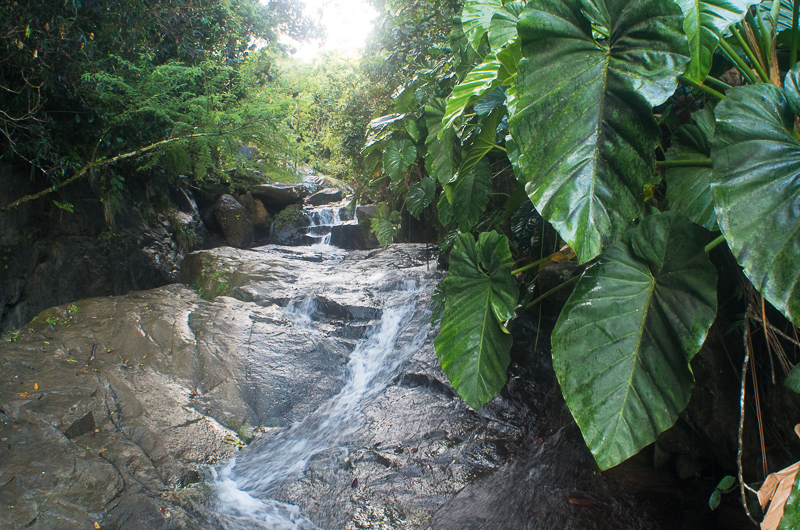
column 113, row 409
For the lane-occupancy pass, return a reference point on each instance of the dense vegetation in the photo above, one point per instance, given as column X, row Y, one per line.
column 624, row 138
column 646, row 133
column 163, row 91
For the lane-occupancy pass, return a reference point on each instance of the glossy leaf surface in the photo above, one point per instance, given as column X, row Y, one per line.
column 397, row 157
column 689, row 187
column 757, row 190
column 480, row 81
column 420, row 195
column 623, row 342
column 503, row 27
column 480, row 293
column 583, row 119
column 444, row 147
column 476, row 18
column 484, row 142
column 705, row 21
column 470, row 192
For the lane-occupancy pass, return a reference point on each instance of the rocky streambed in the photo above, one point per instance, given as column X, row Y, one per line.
column 294, row 387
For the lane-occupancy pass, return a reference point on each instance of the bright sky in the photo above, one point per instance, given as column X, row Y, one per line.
column 348, row 23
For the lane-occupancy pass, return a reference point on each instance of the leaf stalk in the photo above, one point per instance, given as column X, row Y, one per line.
column 711, row 246
column 707, row 89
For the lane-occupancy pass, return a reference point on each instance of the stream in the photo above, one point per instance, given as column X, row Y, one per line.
column 243, row 485
column 133, row 411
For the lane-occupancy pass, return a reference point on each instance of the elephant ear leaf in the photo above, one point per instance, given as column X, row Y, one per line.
column 623, row 342
column 476, row 18
column 420, row 195
column 480, row 294
column 705, row 21
column 689, row 181
column 444, row 147
column 470, row 192
column 756, row 192
column 503, row 28
column 397, row 158
column 614, row 60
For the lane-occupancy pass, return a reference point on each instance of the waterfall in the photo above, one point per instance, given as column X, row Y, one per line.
column 243, row 486
column 322, row 219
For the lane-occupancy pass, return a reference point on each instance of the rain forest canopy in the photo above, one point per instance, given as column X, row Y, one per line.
column 626, row 155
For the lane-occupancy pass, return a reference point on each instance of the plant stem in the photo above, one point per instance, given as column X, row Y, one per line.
column 530, row 265
column 745, row 339
column 750, row 55
column 764, row 34
column 795, row 36
column 553, row 290
column 740, row 64
column 716, row 82
column 694, row 84
column 705, row 162
column 711, row 246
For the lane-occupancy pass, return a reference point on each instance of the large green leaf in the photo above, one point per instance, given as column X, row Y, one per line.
column 503, row 27
column 757, row 190
column 444, row 147
column 484, row 142
column 476, row 18
column 397, row 157
column 464, row 55
column 420, row 195
column 469, row 193
column 583, row 119
column 705, row 21
column 480, row 81
column 492, row 73
column 480, row 294
column 689, row 186
column 623, row 342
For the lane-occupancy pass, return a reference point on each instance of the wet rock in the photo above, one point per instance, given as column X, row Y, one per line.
column 289, row 226
column 258, row 215
column 235, row 222
column 278, row 196
column 353, row 235
column 81, row 426
column 324, row 196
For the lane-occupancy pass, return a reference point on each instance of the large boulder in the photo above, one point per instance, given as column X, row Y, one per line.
column 324, row 196
column 289, row 226
column 258, row 215
column 235, row 222
column 276, row 197
column 353, row 235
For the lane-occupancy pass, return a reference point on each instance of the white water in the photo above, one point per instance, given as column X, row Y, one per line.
column 321, row 220
column 242, row 487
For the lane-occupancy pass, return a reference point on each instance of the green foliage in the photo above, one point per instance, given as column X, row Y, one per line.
column 470, row 191
column 420, row 195
column 385, row 224
column 480, row 296
column 161, row 84
column 625, row 375
column 613, row 60
column 725, row 486
column 705, row 22
column 756, row 168
column 566, row 93
column 397, row 157
column 689, row 185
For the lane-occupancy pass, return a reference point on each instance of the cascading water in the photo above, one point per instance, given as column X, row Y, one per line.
column 322, row 219
column 244, row 485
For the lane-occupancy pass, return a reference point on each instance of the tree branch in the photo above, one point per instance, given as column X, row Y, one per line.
column 100, row 163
